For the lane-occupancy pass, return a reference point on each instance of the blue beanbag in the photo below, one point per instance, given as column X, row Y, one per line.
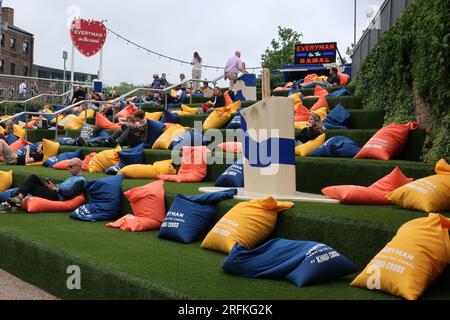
column 105, row 195
column 337, row 118
column 128, row 157
column 340, row 93
column 57, row 108
column 192, row 138
column 155, row 130
column 10, row 139
column 50, row 162
column 301, row 262
column 189, row 216
column 170, row 117
column 103, row 134
column 5, row 195
column 235, row 123
column 337, row 147
column 233, row 176
column 67, row 141
column 48, row 117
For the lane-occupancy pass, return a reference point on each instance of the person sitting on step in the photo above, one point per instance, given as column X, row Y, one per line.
column 133, row 132
column 314, row 129
column 29, row 156
column 34, row 186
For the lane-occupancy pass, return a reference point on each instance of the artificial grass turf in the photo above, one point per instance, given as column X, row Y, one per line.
column 356, row 231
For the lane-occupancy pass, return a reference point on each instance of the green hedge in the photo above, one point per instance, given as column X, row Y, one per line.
column 415, row 52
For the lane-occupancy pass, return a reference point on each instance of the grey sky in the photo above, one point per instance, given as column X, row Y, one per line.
column 178, row 28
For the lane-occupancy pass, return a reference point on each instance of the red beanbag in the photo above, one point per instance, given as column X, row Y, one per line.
column 102, row 122
column 320, row 92
column 343, row 79
column 388, row 142
column 372, row 195
column 321, row 103
column 62, row 165
column 148, row 206
column 235, row 147
column 127, row 112
column 193, row 166
column 38, row 205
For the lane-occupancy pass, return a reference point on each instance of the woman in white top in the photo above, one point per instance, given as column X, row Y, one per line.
column 196, row 70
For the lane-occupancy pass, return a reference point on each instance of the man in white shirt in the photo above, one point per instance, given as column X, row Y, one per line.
column 22, row 90
column 232, row 68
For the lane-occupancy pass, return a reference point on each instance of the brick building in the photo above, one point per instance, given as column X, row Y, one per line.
column 17, row 47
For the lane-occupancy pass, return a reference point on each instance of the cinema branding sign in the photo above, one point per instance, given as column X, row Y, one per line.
column 315, row 53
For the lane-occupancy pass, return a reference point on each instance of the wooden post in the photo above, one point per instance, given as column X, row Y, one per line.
column 265, row 82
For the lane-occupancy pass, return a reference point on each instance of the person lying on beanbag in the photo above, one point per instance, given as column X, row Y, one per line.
column 29, row 156
column 70, row 188
column 314, row 129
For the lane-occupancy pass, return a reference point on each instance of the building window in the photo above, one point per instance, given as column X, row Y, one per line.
column 25, row 47
column 3, row 39
column 12, row 68
column 25, row 71
column 12, row 43
column 2, row 63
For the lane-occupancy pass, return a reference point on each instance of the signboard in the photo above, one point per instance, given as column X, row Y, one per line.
column 315, row 53
column 88, row 36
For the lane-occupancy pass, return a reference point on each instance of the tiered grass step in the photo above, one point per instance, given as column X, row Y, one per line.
column 126, row 265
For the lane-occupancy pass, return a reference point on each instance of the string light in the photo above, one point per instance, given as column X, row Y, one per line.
column 162, row 55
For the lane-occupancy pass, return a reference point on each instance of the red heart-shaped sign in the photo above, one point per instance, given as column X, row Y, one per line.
column 88, row 36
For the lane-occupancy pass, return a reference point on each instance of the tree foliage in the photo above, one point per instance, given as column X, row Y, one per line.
column 282, row 49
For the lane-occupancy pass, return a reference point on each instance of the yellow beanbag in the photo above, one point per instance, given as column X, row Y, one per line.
column 189, row 110
column 104, row 160
column 217, row 119
column 430, row 194
column 296, row 97
column 155, row 116
column 248, row 224
column 168, row 136
column 75, row 124
column 413, row 259
column 6, row 180
column 235, row 106
column 90, row 114
column 301, row 124
column 306, row 149
column 19, row 131
column 148, row 171
column 49, row 149
column 2, row 130
column 67, row 120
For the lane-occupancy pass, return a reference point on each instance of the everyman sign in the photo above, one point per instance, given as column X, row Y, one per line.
column 88, row 36
column 315, row 53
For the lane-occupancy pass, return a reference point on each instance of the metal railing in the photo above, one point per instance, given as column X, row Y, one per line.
column 79, row 103
column 38, row 97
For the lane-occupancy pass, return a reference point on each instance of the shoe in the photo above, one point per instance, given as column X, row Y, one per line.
column 15, row 201
column 5, row 208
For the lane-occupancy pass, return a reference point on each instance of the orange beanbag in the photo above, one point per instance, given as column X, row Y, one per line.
column 373, row 195
column 148, row 206
column 38, row 205
column 102, row 122
column 87, row 160
column 18, row 145
column 127, row 112
column 62, row 165
column 310, row 78
column 301, row 113
column 320, row 92
column 228, row 99
column 321, row 103
column 235, row 147
column 388, row 142
column 193, row 166
column 343, row 79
